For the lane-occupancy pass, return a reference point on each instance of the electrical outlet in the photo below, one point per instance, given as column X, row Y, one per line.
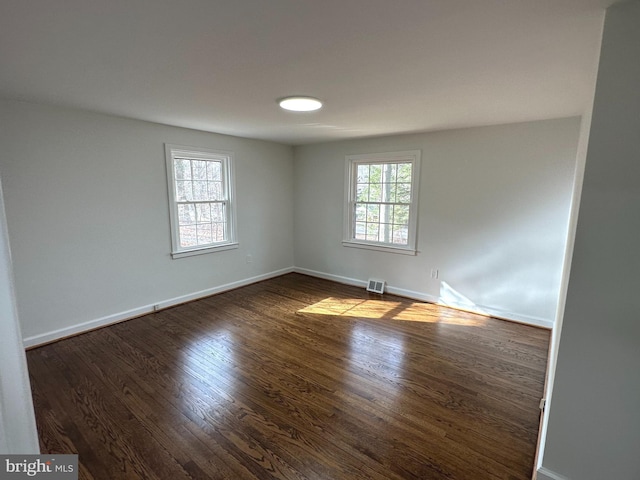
column 434, row 273
column 248, row 259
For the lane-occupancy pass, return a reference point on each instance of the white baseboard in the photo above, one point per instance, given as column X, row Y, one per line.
column 546, row 474
column 502, row 314
column 403, row 292
column 43, row 338
column 329, row 276
column 425, row 297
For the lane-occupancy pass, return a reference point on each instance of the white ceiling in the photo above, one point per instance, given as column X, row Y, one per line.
column 381, row 66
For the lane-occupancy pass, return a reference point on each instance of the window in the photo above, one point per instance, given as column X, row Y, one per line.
column 381, row 201
column 201, row 200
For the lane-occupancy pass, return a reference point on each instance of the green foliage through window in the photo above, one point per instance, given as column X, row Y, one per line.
column 382, row 202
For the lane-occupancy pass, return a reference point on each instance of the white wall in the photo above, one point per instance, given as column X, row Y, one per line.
column 493, row 216
column 17, row 422
column 594, row 418
column 88, row 216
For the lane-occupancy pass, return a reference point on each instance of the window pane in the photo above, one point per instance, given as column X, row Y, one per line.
column 188, row 236
column 215, row 191
column 403, row 193
column 375, row 173
column 363, row 174
column 373, row 213
column 360, row 231
column 184, row 192
column 401, row 215
column 375, row 192
column 386, row 213
column 186, row 215
column 385, row 232
column 204, row 234
column 203, row 212
column 214, row 171
column 217, row 212
column 182, row 169
column 362, row 193
column 404, row 172
column 200, row 190
column 361, row 213
column 199, row 169
column 389, row 192
column 400, row 235
column 372, row 232
column 219, row 232
column 391, row 170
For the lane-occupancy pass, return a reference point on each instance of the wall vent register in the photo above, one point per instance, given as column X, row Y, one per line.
column 375, row 286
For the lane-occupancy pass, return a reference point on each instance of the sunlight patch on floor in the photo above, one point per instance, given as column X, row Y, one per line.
column 375, row 309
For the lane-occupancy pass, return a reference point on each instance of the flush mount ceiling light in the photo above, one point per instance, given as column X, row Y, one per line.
column 300, row 104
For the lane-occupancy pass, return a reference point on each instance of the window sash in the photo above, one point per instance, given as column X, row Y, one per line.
column 392, row 232
column 201, row 200
column 384, row 232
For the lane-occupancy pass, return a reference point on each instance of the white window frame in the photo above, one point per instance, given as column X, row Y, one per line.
column 228, row 178
column 351, row 166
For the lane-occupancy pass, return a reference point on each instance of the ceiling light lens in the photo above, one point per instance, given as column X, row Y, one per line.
column 300, row 104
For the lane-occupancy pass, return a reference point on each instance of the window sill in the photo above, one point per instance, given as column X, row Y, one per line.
column 202, row 251
column 380, row 248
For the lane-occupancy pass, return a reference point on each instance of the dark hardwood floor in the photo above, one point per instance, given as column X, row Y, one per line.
column 295, row 378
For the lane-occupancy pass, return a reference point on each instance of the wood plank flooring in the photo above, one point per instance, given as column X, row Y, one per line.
column 295, row 378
